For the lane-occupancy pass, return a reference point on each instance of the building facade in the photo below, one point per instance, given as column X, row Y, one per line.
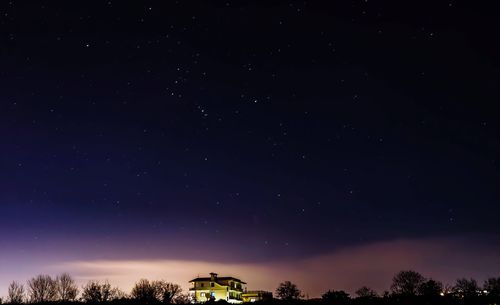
column 216, row 288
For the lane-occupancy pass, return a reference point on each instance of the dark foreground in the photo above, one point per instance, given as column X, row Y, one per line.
column 387, row 300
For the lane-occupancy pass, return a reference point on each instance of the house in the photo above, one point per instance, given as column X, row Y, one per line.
column 256, row 296
column 216, row 288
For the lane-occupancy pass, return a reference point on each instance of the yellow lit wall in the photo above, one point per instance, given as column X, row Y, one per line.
column 201, row 292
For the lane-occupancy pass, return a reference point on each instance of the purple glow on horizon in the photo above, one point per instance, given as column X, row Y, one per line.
column 348, row 269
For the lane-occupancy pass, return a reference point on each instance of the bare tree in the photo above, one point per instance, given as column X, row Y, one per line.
column 492, row 286
column 466, row 288
column 407, row 282
column 288, row 291
column 430, row 288
column 182, row 299
column 42, row 288
column 146, row 291
column 169, row 292
column 365, row 292
column 106, row 291
column 116, row 294
column 91, row 292
column 66, row 288
column 156, row 291
column 95, row 292
column 337, row 297
column 16, row 293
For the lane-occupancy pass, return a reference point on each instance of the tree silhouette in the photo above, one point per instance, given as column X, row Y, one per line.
column 336, row 297
column 169, row 292
column 66, row 288
column 365, row 292
column 492, row 286
column 156, row 291
column 95, row 292
column 16, row 293
column 466, row 288
column 92, row 292
column 145, row 291
column 288, row 291
column 430, row 288
column 407, row 283
column 42, row 288
column 182, row 299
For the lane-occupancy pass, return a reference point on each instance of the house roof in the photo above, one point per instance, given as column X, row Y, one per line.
column 217, row 279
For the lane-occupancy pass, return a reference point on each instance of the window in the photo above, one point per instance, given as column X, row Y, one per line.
column 211, row 284
column 202, row 294
column 202, row 284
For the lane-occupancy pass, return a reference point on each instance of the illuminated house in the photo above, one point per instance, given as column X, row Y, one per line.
column 216, row 288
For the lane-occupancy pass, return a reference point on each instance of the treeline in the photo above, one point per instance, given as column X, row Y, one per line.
column 63, row 289
column 408, row 288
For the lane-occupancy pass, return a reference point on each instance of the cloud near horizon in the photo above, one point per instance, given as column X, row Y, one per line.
column 347, row 269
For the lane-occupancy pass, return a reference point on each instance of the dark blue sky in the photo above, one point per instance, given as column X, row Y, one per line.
column 283, row 130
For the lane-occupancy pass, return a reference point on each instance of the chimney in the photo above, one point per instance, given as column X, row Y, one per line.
column 213, row 276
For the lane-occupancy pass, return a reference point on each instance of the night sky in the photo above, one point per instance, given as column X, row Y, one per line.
column 291, row 140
